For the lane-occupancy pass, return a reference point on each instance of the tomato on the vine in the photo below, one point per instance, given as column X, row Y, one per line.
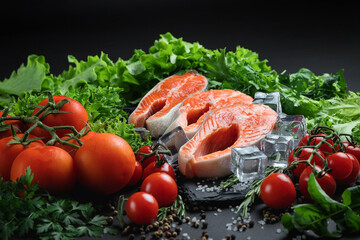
column 162, row 187
column 8, row 153
column 327, row 182
column 72, row 114
column 70, row 149
column 165, row 168
column 17, row 125
column 138, row 173
column 354, row 173
column 147, row 160
column 53, row 168
column 353, row 149
column 326, row 148
column 304, row 155
column 277, row 191
column 105, row 164
column 141, row 208
column 341, row 165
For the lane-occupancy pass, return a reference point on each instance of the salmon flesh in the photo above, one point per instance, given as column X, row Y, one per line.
column 194, row 108
column 208, row 153
column 158, row 108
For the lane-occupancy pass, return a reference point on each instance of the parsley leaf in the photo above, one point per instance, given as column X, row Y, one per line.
column 43, row 216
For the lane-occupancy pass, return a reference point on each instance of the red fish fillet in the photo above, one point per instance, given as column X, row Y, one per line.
column 194, row 109
column 157, row 109
column 208, row 153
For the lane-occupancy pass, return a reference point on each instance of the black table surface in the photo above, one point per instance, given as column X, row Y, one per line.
column 290, row 35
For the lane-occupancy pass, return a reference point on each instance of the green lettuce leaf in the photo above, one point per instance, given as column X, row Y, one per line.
column 26, row 78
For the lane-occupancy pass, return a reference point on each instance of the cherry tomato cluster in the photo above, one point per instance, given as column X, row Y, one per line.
column 333, row 161
column 54, row 143
column 158, row 186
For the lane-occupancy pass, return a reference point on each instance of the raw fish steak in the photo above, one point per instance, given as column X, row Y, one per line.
column 157, row 109
column 194, row 109
column 208, row 153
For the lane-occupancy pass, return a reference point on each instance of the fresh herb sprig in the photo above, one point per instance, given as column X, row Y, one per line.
column 26, row 211
column 178, row 205
column 254, row 191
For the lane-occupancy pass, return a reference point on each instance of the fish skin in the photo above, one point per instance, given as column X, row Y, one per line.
column 193, row 109
column 157, row 109
column 208, row 153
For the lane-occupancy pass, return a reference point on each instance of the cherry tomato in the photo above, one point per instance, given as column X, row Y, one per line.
column 277, row 191
column 8, row 153
column 165, row 168
column 162, row 187
column 325, row 148
column 353, row 149
column 72, row 150
column 105, row 164
column 304, row 155
column 53, row 168
column 327, row 182
column 18, row 126
column 146, row 150
column 74, row 115
column 354, row 174
column 138, row 173
column 141, row 208
column 341, row 165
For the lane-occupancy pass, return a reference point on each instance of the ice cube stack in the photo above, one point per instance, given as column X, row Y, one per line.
column 249, row 163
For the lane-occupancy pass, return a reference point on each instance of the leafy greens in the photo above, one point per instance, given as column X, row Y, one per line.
column 315, row 216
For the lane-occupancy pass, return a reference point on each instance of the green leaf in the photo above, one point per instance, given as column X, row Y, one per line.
column 328, row 205
column 25, row 226
column 26, row 78
column 286, row 221
column 136, row 68
column 351, row 197
column 311, row 217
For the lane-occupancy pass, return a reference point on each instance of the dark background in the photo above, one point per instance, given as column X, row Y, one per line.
column 289, row 34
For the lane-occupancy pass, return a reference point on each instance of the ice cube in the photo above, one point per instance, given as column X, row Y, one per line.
column 144, row 133
column 271, row 99
column 277, row 148
column 291, row 125
column 248, row 163
column 173, row 140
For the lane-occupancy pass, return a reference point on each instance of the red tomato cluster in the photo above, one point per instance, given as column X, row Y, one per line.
column 278, row 191
column 158, row 187
column 103, row 165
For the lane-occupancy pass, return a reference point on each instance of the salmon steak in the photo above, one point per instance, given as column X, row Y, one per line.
column 194, row 108
column 208, row 153
column 158, row 108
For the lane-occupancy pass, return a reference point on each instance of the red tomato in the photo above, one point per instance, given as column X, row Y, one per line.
column 53, row 168
column 327, row 182
column 341, row 165
column 354, row 174
column 165, row 168
column 141, row 208
column 105, row 164
column 304, row 155
column 353, row 149
column 325, row 147
column 75, row 115
column 277, row 191
column 162, row 187
column 8, row 153
column 18, row 126
column 136, row 177
column 146, row 161
column 71, row 150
